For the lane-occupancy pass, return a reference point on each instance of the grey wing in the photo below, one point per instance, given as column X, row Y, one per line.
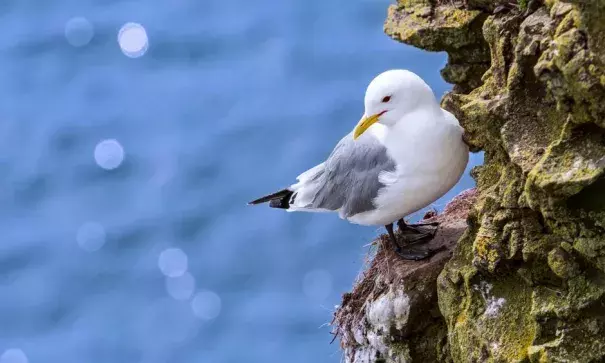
column 349, row 179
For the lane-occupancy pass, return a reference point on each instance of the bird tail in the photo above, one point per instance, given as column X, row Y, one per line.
column 279, row 199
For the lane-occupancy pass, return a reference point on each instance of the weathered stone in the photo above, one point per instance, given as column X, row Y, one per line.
column 526, row 280
column 448, row 27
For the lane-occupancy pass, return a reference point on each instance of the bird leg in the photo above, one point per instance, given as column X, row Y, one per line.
column 407, row 254
column 389, row 228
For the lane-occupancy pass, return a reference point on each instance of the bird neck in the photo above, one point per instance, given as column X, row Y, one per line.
column 420, row 135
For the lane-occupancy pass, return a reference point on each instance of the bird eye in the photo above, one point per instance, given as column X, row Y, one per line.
column 386, row 99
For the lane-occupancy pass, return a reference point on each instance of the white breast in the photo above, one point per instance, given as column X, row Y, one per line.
column 431, row 158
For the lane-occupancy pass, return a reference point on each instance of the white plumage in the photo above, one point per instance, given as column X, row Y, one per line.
column 409, row 152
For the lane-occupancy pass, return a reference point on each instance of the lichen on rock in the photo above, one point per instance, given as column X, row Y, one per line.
column 526, row 280
column 441, row 28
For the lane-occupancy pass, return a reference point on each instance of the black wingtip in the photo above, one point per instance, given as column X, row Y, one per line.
column 277, row 196
column 255, row 202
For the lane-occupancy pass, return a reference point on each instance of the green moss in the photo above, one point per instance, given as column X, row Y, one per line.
column 445, row 28
column 570, row 164
column 523, row 4
column 486, row 251
column 537, row 231
column 492, row 321
column 592, row 249
column 562, row 263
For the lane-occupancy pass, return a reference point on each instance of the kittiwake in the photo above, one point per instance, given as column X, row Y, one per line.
column 404, row 154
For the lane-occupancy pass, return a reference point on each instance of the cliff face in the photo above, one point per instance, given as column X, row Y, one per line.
column 526, row 281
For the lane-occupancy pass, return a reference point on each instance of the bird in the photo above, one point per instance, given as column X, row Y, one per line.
column 404, row 154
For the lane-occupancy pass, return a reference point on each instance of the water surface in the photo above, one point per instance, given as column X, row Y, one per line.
column 232, row 99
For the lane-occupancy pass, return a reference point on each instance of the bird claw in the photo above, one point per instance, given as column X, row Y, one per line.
column 412, row 235
column 418, row 233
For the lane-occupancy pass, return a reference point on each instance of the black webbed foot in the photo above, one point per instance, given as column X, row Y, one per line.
column 417, row 238
column 412, row 236
column 414, row 254
column 403, row 226
column 418, row 232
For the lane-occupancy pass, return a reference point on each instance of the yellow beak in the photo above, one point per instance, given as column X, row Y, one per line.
column 364, row 124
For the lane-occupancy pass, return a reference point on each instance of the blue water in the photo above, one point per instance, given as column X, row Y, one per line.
column 232, row 99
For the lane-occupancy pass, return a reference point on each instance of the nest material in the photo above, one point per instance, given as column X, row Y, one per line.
column 387, row 271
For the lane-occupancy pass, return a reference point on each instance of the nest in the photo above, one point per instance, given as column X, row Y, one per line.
column 386, row 270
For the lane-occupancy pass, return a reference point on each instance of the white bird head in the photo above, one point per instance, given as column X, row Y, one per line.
column 392, row 95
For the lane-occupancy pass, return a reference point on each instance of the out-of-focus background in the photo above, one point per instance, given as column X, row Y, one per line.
column 132, row 135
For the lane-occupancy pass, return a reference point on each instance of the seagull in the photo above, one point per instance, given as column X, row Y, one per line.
column 404, row 154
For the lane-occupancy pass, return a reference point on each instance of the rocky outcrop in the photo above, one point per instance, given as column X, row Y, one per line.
column 392, row 312
column 526, row 282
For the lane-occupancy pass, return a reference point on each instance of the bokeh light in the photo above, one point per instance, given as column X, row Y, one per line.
column 173, row 262
column 166, row 321
column 181, row 287
column 79, row 31
column 91, row 236
column 13, row 356
column 206, row 305
column 133, row 40
column 109, row 154
column 317, row 285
